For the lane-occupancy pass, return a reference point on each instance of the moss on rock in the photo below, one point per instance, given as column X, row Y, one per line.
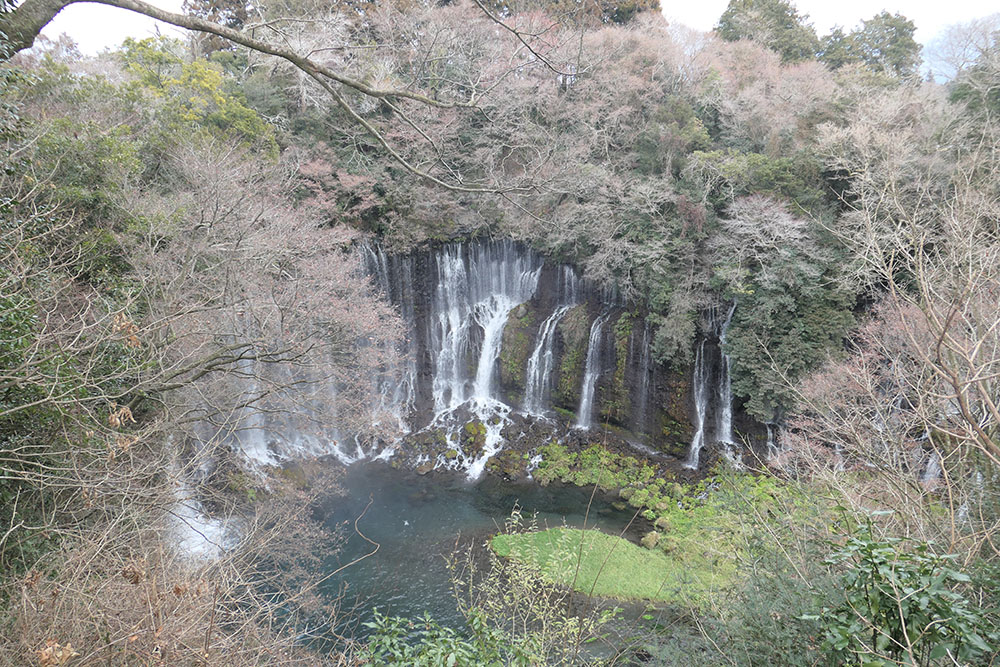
column 615, row 400
column 573, row 331
column 515, row 348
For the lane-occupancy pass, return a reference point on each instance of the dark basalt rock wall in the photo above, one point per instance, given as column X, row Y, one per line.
column 635, row 397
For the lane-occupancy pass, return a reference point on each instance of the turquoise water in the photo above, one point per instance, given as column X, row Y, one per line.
column 417, row 521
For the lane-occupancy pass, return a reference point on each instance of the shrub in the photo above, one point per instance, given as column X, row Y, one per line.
column 900, row 607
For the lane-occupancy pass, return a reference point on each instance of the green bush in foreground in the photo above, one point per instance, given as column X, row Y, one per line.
column 425, row 643
column 900, row 608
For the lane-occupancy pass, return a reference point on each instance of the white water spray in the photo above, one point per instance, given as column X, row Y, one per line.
column 540, row 364
column 591, row 372
column 700, row 387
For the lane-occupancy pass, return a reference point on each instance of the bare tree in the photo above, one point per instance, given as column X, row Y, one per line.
column 188, row 306
column 961, row 45
column 919, row 395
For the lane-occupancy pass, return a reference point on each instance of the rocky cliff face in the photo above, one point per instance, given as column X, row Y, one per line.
column 504, row 339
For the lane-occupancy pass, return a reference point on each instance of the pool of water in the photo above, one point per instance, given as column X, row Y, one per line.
column 417, row 521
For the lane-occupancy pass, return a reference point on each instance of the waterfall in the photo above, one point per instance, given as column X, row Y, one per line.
column 642, row 404
column 569, row 286
column 724, row 426
column 455, row 300
column 591, row 373
column 932, row 472
column 450, row 332
column 772, row 446
column 700, row 387
column 394, row 278
column 478, row 284
column 540, row 364
column 250, row 434
column 539, row 372
column 492, row 317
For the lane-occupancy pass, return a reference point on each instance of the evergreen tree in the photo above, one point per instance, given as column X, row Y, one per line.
column 774, row 23
column 883, row 43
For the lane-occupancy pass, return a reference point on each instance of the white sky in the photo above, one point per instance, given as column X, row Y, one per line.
column 95, row 27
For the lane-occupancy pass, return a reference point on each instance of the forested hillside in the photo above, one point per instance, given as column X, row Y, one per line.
column 543, row 241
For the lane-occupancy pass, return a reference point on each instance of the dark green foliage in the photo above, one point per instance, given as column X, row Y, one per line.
column 797, row 177
column 836, row 49
column 883, row 43
column 792, row 312
column 778, row 335
column 776, row 24
column 674, row 132
column 89, row 166
column 901, row 606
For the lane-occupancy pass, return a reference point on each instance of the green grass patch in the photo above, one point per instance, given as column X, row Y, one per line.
column 612, row 567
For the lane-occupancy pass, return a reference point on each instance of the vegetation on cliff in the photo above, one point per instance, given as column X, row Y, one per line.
column 177, row 229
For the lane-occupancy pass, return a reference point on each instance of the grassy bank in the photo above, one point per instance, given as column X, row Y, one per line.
column 596, row 563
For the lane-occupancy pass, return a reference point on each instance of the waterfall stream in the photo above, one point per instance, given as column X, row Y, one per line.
column 456, row 300
column 700, row 386
column 725, row 418
column 538, row 376
column 591, row 373
column 932, row 471
column 645, row 370
column 540, row 364
column 397, row 391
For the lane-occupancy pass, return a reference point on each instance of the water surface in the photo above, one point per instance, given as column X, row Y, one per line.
column 417, row 521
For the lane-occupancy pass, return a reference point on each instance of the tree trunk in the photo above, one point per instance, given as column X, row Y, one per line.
column 22, row 25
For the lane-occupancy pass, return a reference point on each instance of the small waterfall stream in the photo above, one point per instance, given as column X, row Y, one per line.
column 932, row 472
column 700, row 382
column 397, row 391
column 538, row 376
column 251, row 433
column 772, row 445
column 540, row 364
column 645, row 371
column 725, row 418
column 450, row 333
column 591, row 372
column 724, row 421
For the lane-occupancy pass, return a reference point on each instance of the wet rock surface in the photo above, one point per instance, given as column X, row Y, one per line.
column 509, row 350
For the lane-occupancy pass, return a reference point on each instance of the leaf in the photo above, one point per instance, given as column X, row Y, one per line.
column 940, row 651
